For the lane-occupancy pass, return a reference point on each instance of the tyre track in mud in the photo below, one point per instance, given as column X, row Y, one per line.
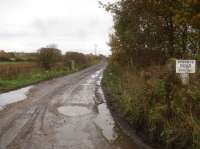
column 39, row 113
column 36, row 123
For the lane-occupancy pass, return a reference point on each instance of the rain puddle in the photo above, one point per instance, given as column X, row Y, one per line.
column 74, row 110
column 94, row 76
column 104, row 120
column 97, row 73
column 106, row 123
column 13, row 96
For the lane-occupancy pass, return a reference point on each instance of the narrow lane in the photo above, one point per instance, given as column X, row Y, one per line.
column 64, row 113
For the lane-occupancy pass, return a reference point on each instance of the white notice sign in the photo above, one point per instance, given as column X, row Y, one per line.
column 185, row 66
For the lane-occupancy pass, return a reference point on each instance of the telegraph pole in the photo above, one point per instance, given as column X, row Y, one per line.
column 95, row 49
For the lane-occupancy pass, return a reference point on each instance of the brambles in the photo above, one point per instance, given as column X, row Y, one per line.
column 149, row 35
column 172, row 122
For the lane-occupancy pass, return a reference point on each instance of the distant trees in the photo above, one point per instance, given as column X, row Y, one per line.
column 78, row 58
column 75, row 60
column 145, row 29
column 4, row 56
column 49, row 56
column 17, row 56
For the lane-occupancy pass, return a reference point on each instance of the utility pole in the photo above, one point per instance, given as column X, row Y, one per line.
column 95, row 49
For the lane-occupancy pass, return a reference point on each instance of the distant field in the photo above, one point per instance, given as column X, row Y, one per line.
column 14, row 75
column 30, row 77
column 19, row 74
column 10, row 70
column 19, row 62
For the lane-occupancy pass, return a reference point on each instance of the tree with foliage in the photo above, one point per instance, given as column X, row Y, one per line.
column 48, row 57
column 145, row 29
column 147, row 35
column 74, row 58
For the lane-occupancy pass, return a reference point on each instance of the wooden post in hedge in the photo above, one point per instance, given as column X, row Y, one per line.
column 73, row 65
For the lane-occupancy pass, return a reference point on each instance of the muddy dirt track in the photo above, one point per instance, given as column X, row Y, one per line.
column 64, row 113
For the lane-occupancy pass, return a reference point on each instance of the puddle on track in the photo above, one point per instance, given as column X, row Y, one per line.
column 97, row 74
column 106, row 123
column 93, row 124
column 13, row 96
column 74, row 110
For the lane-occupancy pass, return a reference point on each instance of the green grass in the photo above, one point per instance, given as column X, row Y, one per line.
column 15, row 62
column 31, row 78
column 18, row 74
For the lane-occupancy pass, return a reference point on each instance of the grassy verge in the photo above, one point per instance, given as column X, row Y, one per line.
column 31, row 78
column 35, row 75
column 159, row 108
column 14, row 62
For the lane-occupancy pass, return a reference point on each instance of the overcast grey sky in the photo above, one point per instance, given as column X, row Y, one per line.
column 27, row 25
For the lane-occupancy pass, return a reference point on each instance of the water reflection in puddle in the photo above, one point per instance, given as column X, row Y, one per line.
column 13, row 96
column 74, row 110
column 105, row 122
column 97, row 73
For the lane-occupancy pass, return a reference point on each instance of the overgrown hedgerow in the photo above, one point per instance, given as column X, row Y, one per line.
column 171, row 119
